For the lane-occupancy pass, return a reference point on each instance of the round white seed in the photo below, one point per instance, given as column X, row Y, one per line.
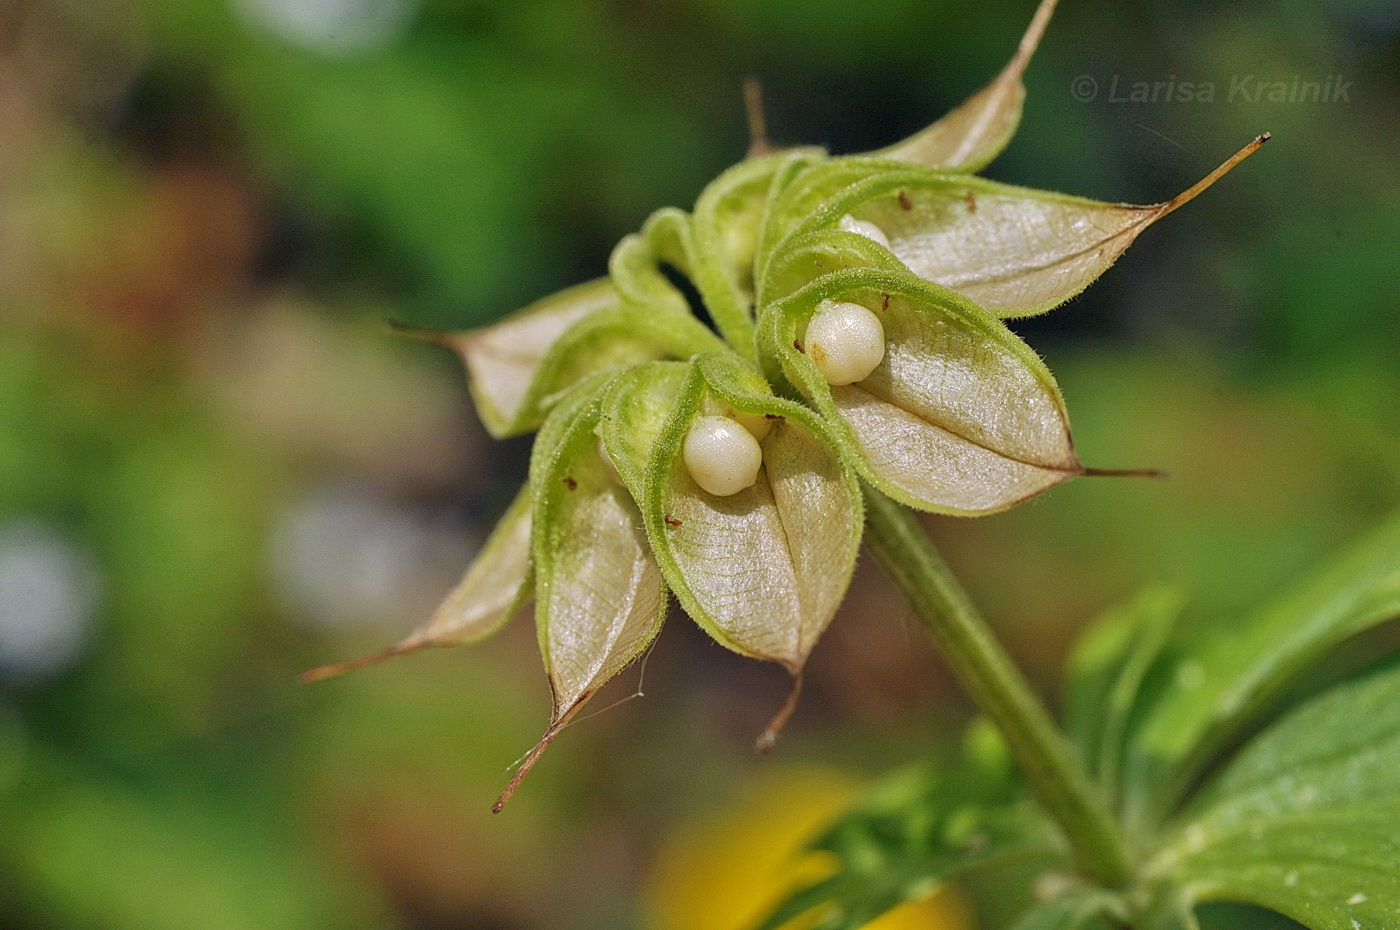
column 721, row 455
column 864, row 228
column 845, row 341
column 756, row 423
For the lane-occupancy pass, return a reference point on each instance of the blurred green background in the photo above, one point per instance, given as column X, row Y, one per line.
column 217, row 469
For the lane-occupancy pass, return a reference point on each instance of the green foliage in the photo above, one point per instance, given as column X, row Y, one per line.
column 1213, row 688
column 100, row 854
column 1106, row 671
column 1074, row 909
column 1306, row 818
column 923, row 826
column 424, row 157
column 1301, row 818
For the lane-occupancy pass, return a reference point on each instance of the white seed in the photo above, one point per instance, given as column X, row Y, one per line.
column 864, row 228
column 845, row 341
column 756, row 423
column 721, row 455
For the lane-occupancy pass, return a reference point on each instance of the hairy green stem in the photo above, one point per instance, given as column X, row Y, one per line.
column 1053, row 770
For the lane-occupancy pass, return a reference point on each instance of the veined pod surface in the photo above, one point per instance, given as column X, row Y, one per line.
column 959, row 417
column 599, row 595
column 1013, row 250
column 763, row 570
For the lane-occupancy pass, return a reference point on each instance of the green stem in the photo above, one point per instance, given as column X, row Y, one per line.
column 1053, row 770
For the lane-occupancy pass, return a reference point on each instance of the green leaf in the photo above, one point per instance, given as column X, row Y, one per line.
column 1075, row 909
column 1013, row 250
column 494, row 589
column 1168, row 907
column 1217, row 687
column 916, row 829
column 599, row 597
column 1306, row 819
column 960, row 417
column 1106, row 671
column 613, row 338
column 972, row 135
column 763, row 570
column 1328, row 871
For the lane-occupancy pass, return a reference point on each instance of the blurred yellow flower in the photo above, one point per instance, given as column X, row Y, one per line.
column 728, row 871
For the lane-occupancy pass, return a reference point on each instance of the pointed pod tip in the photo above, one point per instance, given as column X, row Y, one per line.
column 534, row 756
column 418, row 333
column 757, row 123
column 321, row 673
column 1033, row 34
column 336, row 669
column 768, row 739
column 1195, row 190
column 1155, row 473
